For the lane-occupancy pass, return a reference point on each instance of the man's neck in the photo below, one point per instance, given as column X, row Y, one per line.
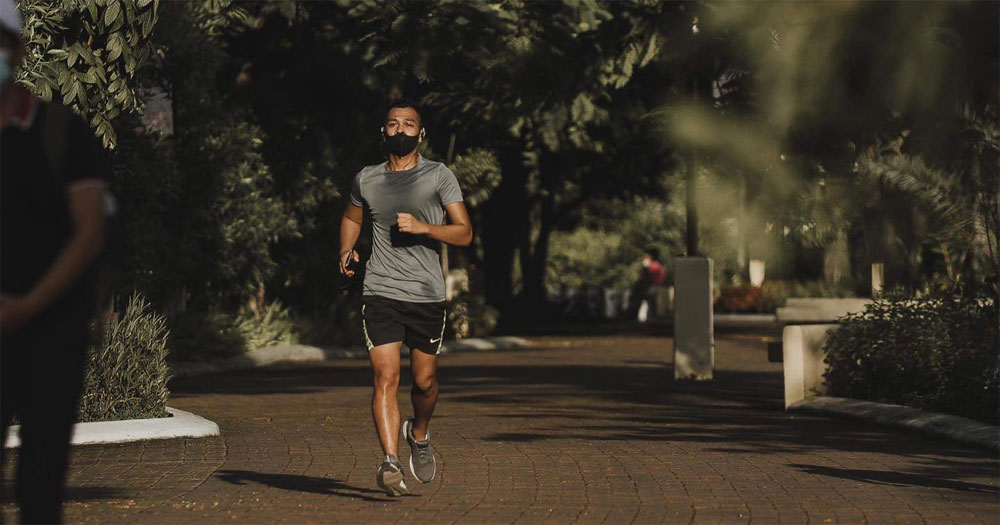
column 403, row 163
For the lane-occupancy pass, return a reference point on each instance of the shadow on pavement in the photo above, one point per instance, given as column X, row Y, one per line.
column 298, row 483
column 76, row 494
column 898, row 479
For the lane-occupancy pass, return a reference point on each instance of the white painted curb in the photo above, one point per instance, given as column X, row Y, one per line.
column 957, row 428
column 486, row 343
column 181, row 425
column 284, row 353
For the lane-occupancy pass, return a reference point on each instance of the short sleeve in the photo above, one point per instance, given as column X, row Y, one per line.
column 356, row 198
column 448, row 189
column 87, row 161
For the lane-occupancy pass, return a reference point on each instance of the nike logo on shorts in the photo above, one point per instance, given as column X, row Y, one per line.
column 435, row 340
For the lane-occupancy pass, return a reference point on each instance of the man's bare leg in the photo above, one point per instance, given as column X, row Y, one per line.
column 424, row 393
column 385, row 405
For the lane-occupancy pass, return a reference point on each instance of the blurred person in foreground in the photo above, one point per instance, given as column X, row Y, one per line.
column 52, row 187
column 403, row 299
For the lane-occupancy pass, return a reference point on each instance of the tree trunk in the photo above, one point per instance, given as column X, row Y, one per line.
column 534, row 272
column 690, row 184
column 502, row 218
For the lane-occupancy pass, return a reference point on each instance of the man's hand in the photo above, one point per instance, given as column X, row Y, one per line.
column 408, row 224
column 345, row 257
column 15, row 312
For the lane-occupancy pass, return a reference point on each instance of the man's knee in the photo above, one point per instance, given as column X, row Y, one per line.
column 386, row 378
column 425, row 382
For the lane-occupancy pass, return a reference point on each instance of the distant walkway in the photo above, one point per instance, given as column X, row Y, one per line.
column 585, row 430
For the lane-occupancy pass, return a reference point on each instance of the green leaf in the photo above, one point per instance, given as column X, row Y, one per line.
column 81, row 97
column 45, row 91
column 111, row 13
column 147, row 24
column 114, row 47
column 99, row 71
column 70, row 95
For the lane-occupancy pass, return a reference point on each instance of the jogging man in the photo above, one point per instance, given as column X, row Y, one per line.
column 408, row 198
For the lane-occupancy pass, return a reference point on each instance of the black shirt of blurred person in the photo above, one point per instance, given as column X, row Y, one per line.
column 45, row 154
column 34, row 181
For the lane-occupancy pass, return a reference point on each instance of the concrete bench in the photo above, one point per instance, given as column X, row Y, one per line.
column 818, row 310
column 802, row 358
column 808, row 322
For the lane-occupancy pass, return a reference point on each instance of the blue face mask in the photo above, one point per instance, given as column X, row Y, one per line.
column 6, row 72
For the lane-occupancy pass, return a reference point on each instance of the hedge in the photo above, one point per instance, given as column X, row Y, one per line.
column 937, row 353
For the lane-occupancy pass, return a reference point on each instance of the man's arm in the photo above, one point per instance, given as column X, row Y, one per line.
column 458, row 233
column 87, row 209
column 350, row 230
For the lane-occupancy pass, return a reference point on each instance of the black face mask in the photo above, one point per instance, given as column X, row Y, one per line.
column 401, row 144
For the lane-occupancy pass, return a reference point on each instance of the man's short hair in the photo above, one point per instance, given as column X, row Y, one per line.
column 654, row 253
column 405, row 103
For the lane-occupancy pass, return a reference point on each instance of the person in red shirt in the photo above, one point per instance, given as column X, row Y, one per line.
column 656, row 273
column 652, row 276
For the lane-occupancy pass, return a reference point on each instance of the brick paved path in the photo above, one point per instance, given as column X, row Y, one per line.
column 584, row 430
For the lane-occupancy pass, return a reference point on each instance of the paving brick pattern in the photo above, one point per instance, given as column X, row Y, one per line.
column 581, row 430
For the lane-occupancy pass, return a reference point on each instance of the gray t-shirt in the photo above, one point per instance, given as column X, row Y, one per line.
column 404, row 266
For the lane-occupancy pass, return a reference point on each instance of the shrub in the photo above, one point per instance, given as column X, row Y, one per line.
column 126, row 375
column 937, row 352
column 740, row 299
column 216, row 333
column 271, row 326
column 209, row 334
column 470, row 316
column 772, row 295
column 337, row 323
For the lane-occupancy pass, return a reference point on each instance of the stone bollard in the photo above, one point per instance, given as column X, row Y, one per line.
column 694, row 343
column 612, row 299
column 802, row 355
column 878, row 278
column 756, row 272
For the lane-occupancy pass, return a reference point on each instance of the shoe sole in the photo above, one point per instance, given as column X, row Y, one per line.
column 392, row 483
column 407, row 431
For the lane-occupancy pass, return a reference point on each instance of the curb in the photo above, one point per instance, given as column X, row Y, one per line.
column 181, row 425
column 302, row 353
column 745, row 320
column 956, row 428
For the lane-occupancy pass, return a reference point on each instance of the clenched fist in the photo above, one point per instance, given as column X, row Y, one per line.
column 409, row 224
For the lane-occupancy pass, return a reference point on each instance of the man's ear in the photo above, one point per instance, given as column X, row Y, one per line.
column 423, row 134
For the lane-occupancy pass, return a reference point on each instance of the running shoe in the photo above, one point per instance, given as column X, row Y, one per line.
column 390, row 477
column 423, row 464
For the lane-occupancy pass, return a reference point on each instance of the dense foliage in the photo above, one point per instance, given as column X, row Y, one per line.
column 937, row 352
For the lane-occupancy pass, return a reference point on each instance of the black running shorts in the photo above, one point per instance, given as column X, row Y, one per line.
column 420, row 326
